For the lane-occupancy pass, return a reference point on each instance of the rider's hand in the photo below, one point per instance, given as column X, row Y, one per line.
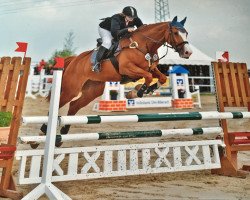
column 131, row 29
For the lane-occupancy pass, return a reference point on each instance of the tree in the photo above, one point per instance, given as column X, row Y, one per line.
column 68, row 45
column 68, row 49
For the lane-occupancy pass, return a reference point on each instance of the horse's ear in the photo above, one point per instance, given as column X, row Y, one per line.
column 183, row 21
column 174, row 20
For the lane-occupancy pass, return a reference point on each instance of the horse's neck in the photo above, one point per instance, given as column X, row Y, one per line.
column 151, row 37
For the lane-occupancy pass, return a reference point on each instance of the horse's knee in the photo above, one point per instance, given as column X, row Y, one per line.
column 148, row 79
column 162, row 79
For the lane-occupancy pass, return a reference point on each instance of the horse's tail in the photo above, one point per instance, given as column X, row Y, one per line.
column 67, row 61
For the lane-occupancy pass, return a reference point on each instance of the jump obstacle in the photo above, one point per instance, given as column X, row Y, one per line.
column 132, row 159
column 13, row 80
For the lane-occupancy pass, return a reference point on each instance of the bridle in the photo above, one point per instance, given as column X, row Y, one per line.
column 175, row 46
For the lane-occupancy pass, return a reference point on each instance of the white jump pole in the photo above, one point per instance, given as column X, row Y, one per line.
column 121, row 135
column 97, row 119
column 46, row 187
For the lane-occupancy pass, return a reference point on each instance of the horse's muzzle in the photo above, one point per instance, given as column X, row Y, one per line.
column 186, row 52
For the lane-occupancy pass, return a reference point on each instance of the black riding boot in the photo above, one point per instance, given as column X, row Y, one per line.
column 100, row 55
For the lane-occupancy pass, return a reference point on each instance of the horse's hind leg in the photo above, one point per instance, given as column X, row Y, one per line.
column 90, row 91
column 68, row 92
column 64, row 99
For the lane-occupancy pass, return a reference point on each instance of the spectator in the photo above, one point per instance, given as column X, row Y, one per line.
column 41, row 65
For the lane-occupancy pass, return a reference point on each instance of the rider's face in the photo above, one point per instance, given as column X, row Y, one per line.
column 129, row 19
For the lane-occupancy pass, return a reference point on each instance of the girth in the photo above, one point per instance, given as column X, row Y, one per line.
column 115, row 63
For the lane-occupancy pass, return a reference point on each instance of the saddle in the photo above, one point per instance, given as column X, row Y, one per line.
column 112, row 50
column 111, row 55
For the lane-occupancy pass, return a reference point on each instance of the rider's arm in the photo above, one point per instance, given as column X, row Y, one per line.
column 115, row 28
column 122, row 32
column 138, row 22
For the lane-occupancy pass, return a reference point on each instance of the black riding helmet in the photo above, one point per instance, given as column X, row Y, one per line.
column 130, row 11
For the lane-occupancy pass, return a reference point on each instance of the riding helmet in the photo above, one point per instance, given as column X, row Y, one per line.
column 130, row 11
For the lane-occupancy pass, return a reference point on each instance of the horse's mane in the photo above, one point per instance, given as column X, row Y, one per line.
column 146, row 27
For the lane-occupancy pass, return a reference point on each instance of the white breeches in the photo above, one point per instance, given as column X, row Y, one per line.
column 106, row 37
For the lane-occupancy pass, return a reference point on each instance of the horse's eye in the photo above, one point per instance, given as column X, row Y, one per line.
column 176, row 33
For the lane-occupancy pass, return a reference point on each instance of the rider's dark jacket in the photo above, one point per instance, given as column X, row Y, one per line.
column 117, row 26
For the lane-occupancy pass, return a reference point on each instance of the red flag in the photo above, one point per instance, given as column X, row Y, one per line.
column 225, row 55
column 59, row 62
column 22, row 47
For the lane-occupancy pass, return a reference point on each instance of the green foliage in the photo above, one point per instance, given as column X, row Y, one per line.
column 68, row 49
column 5, row 119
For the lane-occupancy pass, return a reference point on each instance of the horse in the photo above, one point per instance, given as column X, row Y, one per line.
column 137, row 59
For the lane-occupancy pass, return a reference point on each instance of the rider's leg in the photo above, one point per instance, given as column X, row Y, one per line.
column 100, row 55
column 106, row 44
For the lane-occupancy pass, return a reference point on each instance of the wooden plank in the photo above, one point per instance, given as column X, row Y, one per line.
column 242, row 85
column 13, row 83
column 19, row 89
column 1, row 64
column 3, row 78
column 240, row 148
column 234, row 84
column 20, row 95
column 246, row 82
column 227, row 89
column 4, row 102
column 3, row 163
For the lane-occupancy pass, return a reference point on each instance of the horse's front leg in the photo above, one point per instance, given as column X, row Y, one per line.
column 137, row 72
column 161, row 80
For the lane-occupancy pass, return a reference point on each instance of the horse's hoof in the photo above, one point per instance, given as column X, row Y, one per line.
column 137, row 87
column 34, row 145
column 41, row 133
column 131, row 94
column 58, row 144
column 140, row 93
column 44, row 129
column 63, row 131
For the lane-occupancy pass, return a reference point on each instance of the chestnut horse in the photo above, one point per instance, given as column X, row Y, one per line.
column 137, row 59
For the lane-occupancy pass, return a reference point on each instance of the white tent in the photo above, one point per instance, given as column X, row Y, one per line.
column 172, row 58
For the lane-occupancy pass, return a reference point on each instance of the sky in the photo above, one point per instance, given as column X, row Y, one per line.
column 213, row 25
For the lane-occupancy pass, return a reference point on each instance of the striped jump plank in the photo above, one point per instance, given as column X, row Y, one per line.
column 122, row 135
column 97, row 119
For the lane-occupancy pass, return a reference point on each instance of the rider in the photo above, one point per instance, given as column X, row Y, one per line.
column 115, row 27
